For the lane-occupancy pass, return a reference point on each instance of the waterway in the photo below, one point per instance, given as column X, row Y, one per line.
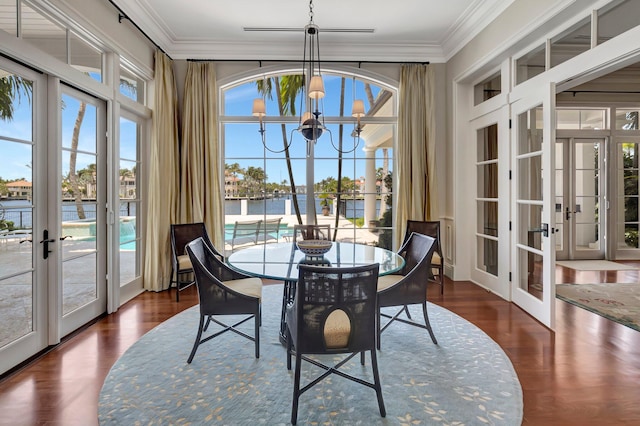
column 20, row 213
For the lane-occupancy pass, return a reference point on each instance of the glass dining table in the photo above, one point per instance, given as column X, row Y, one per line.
column 279, row 261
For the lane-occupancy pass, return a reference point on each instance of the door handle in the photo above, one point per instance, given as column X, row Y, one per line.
column 545, row 229
column 46, row 240
column 568, row 213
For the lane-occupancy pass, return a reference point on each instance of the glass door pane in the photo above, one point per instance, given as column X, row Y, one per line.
column 16, row 211
column 82, row 209
column 129, row 198
column 22, row 206
column 588, row 189
column 534, row 207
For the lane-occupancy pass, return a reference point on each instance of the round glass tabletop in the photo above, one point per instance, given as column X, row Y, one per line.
column 279, row 261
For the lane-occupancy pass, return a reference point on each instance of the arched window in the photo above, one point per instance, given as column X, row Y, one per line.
column 350, row 176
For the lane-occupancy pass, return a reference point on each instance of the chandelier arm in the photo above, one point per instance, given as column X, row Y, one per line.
column 355, row 144
column 264, row 143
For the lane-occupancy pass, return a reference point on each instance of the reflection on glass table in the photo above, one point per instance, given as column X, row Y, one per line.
column 279, row 261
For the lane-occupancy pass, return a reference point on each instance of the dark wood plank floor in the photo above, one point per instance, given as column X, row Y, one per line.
column 586, row 373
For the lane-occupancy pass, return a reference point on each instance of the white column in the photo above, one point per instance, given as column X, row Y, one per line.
column 370, row 186
column 244, row 207
column 287, row 207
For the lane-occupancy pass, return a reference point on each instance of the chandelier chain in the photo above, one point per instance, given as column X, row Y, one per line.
column 311, row 11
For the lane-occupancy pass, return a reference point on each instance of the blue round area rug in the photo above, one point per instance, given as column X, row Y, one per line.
column 466, row 379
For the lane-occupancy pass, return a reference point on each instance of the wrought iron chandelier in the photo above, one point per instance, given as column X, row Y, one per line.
column 311, row 123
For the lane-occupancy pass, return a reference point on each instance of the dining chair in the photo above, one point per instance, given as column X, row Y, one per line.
column 409, row 286
column 181, row 268
column 334, row 312
column 223, row 291
column 311, row 232
column 431, row 229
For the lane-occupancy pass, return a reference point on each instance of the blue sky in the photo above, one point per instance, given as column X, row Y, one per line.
column 243, row 142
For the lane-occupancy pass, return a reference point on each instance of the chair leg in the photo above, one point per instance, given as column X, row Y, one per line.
column 256, row 320
column 288, row 340
column 296, row 390
column 427, row 323
column 376, row 382
column 362, row 358
column 378, row 328
column 406, row 311
column 197, row 342
column 178, row 287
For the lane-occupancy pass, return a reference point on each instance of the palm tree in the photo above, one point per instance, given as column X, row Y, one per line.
column 13, row 87
column 254, row 178
column 73, row 176
column 286, row 90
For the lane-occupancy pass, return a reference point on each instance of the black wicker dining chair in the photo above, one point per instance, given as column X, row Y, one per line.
column 223, row 291
column 409, row 286
column 334, row 312
column 432, row 229
column 311, row 232
column 181, row 269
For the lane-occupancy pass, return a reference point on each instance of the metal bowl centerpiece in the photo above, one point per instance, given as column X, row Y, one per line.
column 314, row 248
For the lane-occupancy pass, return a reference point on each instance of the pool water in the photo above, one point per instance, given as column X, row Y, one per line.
column 129, row 245
column 127, row 241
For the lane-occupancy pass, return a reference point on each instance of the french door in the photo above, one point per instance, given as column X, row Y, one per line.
column 52, row 212
column 580, row 193
column 533, row 212
column 81, row 227
column 24, row 307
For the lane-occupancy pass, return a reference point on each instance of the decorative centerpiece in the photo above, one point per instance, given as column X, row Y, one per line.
column 314, row 248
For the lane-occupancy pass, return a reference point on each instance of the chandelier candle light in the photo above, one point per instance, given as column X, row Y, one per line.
column 311, row 123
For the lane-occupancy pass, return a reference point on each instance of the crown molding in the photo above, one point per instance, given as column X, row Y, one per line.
column 149, row 21
column 471, row 23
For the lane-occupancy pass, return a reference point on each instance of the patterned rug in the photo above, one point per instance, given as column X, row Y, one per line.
column 615, row 301
column 465, row 379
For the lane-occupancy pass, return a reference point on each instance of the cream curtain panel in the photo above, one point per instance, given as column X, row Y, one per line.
column 200, row 189
column 416, row 186
column 163, row 177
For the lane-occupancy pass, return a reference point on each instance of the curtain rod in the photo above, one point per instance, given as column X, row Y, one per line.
column 122, row 15
column 260, row 61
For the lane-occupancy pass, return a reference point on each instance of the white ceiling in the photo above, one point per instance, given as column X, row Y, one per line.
column 403, row 30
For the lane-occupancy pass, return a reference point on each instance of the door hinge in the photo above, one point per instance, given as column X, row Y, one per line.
column 510, row 175
column 510, row 123
column 509, row 276
column 509, row 225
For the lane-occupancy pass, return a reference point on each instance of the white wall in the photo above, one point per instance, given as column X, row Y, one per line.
column 522, row 25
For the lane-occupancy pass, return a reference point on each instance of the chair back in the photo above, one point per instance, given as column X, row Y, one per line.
column 210, row 273
column 417, row 252
column 346, row 295
column 311, row 232
column 428, row 228
column 184, row 233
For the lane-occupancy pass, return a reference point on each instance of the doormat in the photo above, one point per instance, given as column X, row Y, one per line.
column 595, row 265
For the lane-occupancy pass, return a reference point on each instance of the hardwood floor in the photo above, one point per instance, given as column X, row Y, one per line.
column 586, row 373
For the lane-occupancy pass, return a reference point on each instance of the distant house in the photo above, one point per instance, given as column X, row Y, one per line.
column 127, row 186
column 20, row 189
column 231, row 185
